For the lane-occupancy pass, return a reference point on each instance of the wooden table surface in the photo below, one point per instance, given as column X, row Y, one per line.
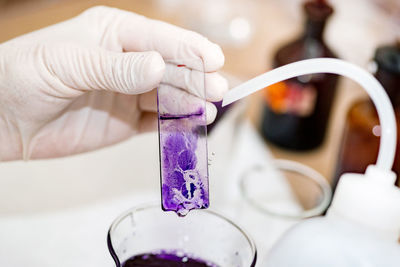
column 273, row 25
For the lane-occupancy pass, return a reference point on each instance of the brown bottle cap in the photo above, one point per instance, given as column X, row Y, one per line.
column 318, row 10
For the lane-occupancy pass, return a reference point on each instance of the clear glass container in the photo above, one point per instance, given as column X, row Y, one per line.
column 290, row 190
column 203, row 234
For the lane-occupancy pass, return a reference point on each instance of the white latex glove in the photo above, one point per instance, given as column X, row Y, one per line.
column 88, row 82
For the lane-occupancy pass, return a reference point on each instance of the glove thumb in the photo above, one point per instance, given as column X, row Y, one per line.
column 86, row 69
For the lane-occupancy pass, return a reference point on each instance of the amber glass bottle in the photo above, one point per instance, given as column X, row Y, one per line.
column 360, row 141
column 296, row 111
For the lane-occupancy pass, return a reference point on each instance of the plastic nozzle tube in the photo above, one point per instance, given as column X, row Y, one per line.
column 336, row 66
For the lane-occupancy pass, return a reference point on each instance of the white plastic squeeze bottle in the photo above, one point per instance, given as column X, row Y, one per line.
column 362, row 225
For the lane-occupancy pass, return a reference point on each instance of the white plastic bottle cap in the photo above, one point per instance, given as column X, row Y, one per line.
column 369, row 199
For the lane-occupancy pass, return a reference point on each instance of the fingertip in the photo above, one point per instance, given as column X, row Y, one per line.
column 140, row 72
column 216, row 86
column 210, row 53
column 215, row 58
column 153, row 69
column 211, row 112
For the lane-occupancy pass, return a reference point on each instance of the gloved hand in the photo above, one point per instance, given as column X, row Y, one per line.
column 88, row 82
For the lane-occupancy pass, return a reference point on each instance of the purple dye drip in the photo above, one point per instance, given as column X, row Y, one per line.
column 183, row 156
column 166, row 259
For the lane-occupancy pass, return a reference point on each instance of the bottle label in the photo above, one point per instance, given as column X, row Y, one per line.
column 291, row 98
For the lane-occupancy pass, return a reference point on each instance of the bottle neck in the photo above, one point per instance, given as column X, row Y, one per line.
column 390, row 82
column 314, row 29
column 387, row 59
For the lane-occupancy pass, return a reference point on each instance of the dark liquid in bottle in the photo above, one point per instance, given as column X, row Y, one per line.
column 296, row 111
column 165, row 259
column 361, row 135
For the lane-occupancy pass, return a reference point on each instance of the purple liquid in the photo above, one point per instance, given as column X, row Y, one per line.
column 165, row 259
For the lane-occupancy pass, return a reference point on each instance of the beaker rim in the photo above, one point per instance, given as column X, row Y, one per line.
column 154, row 205
column 295, row 167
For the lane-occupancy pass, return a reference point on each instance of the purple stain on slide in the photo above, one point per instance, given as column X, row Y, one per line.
column 187, row 160
column 184, row 161
column 188, row 190
column 176, row 179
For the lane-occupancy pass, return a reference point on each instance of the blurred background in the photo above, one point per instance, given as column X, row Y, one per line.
column 72, row 193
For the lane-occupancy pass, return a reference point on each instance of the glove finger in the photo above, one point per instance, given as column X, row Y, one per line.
column 176, row 101
column 138, row 33
column 88, row 69
column 213, row 85
column 175, row 44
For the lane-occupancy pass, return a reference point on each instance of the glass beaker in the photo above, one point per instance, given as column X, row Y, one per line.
column 202, row 234
column 290, row 190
